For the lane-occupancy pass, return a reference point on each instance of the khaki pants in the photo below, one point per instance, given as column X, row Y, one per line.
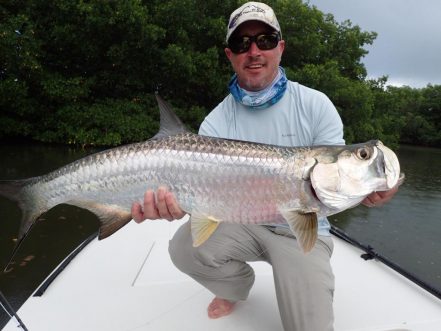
column 304, row 282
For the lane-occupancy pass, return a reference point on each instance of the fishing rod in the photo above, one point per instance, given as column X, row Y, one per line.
column 11, row 311
column 370, row 254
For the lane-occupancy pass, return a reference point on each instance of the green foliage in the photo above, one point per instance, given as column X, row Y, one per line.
column 408, row 115
column 84, row 72
column 430, row 110
column 315, row 38
column 108, row 122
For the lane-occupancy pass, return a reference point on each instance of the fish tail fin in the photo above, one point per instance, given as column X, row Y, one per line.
column 304, row 226
column 15, row 190
column 30, row 210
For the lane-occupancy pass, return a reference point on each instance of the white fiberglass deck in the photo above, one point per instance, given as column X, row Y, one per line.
column 127, row 282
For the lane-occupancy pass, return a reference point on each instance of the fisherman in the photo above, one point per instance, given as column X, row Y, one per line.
column 263, row 106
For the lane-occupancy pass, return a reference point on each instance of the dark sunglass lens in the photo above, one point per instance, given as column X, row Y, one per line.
column 240, row 44
column 266, row 42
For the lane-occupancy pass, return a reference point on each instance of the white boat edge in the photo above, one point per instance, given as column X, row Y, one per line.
column 128, row 282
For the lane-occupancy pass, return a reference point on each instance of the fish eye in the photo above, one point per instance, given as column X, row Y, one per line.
column 363, row 153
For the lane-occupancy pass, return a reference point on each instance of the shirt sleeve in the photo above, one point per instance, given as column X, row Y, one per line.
column 207, row 129
column 329, row 126
column 216, row 122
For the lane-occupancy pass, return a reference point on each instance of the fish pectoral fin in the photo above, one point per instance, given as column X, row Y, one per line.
column 202, row 227
column 111, row 217
column 304, row 226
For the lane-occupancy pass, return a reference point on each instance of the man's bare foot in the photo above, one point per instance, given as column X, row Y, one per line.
column 220, row 307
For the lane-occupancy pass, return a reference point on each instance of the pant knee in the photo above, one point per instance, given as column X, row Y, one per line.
column 177, row 253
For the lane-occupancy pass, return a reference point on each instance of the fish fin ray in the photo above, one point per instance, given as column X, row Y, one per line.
column 202, row 227
column 170, row 124
column 304, row 225
column 111, row 217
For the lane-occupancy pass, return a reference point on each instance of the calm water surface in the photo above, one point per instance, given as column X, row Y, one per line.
column 407, row 230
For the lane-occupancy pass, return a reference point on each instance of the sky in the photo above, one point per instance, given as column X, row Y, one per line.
column 408, row 46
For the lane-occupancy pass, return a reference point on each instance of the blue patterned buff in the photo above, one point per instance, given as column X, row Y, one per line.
column 260, row 99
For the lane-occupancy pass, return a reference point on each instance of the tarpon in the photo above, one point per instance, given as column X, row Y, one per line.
column 214, row 180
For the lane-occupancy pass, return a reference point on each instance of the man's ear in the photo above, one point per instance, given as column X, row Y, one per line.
column 282, row 46
column 228, row 53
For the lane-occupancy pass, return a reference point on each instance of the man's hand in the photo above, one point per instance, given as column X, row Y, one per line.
column 376, row 199
column 165, row 206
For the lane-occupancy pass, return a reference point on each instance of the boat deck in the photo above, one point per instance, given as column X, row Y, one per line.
column 128, row 283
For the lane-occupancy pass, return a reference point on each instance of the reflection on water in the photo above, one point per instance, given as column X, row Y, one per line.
column 406, row 230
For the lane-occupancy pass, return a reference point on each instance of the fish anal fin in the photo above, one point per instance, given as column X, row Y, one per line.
column 202, row 227
column 112, row 223
column 304, row 226
column 111, row 217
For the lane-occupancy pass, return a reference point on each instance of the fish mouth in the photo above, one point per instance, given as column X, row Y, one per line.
column 391, row 166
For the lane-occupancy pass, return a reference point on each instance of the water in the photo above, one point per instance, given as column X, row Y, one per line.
column 407, row 230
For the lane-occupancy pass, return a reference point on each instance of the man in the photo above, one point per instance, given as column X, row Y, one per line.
column 263, row 107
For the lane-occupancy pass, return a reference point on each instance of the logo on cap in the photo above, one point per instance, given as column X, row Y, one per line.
column 246, row 10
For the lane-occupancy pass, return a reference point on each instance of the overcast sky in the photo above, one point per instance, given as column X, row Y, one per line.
column 408, row 45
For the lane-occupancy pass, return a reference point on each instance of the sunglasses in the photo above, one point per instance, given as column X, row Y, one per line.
column 264, row 42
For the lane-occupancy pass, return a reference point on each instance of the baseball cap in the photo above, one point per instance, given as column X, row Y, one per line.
column 252, row 11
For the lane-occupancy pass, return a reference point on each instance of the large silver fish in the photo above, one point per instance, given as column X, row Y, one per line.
column 215, row 180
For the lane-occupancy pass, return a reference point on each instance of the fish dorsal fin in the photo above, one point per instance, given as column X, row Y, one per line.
column 304, row 226
column 169, row 123
column 202, row 227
